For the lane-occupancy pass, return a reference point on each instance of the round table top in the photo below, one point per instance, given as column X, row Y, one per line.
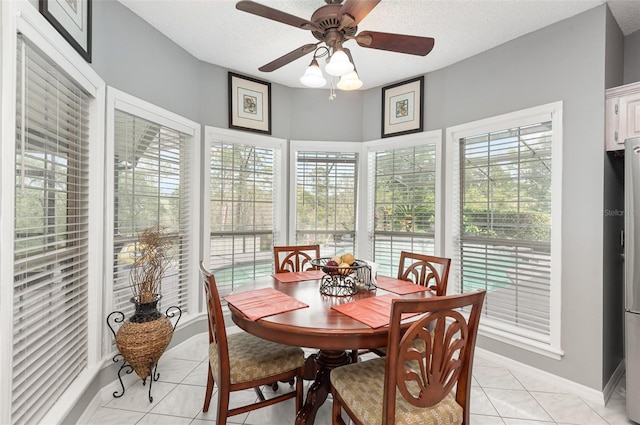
column 317, row 326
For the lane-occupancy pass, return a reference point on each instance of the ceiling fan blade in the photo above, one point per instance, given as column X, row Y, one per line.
column 275, row 15
column 354, row 11
column 289, row 57
column 411, row 44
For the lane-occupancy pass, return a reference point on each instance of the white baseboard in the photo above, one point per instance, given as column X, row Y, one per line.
column 568, row 385
column 108, row 373
column 613, row 381
column 91, row 408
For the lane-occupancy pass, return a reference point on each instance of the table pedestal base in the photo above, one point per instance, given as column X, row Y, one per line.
column 321, row 387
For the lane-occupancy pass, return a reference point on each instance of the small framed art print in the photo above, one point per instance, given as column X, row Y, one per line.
column 249, row 104
column 72, row 19
column 402, row 105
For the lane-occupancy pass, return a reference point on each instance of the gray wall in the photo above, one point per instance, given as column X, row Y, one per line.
column 562, row 62
column 212, row 100
column 132, row 56
column 315, row 117
column 632, row 58
column 613, row 221
column 615, row 60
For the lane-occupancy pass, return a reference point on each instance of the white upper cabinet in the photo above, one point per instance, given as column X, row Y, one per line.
column 630, row 115
column 623, row 115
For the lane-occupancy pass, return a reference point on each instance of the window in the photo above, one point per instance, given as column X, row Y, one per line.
column 244, row 182
column 504, row 204
column 152, row 185
column 403, row 183
column 326, row 197
column 50, row 279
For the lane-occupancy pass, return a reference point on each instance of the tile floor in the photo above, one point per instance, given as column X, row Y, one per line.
column 499, row 397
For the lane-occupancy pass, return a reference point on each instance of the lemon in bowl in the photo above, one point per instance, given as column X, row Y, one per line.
column 348, row 258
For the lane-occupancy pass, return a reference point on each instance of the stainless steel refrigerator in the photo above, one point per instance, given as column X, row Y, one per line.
column 632, row 276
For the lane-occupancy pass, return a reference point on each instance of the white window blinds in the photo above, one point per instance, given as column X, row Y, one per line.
column 151, row 187
column 51, row 235
column 326, row 194
column 505, row 226
column 404, row 203
column 242, row 197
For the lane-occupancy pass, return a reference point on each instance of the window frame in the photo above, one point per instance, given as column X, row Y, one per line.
column 24, row 18
column 296, row 146
column 125, row 102
column 407, row 141
column 548, row 112
column 280, row 194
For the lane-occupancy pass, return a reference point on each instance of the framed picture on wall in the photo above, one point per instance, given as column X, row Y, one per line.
column 402, row 105
column 72, row 19
column 249, row 104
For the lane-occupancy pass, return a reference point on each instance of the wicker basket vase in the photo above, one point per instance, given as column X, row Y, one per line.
column 143, row 337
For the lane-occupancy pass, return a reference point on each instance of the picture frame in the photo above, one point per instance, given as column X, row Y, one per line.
column 402, row 107
column 72, row 19
column 249, row 104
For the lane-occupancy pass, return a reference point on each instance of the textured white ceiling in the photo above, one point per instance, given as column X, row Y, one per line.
column 215, row 32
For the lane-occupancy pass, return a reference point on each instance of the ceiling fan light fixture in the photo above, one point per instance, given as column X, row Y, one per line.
column 313, row 76
column 339, row 64
column 350, row 81
column 332, row 25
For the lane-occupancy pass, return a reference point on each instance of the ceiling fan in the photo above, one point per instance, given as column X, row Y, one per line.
column 333, row 24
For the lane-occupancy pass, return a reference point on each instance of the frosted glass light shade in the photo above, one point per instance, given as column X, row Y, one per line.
column 339, row 64
column 350, row 81
column 313, row 76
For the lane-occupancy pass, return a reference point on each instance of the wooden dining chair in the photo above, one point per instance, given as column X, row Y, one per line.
column 406, row 386
column 241, row 361
column 425, row 270
column 295, row 258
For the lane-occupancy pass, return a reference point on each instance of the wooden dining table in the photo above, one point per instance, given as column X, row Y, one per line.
column 332, row 332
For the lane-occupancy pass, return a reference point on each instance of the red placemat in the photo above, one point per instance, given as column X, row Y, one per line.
column 373, row 311
column 264, row 302
column 288, row 277
column 400, row 287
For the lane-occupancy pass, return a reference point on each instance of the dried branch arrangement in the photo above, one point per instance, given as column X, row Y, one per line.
column 150, row 264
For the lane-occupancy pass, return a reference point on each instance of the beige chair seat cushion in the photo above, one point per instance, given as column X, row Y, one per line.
column 361, row 387
column 418, row 344
column 252, row 358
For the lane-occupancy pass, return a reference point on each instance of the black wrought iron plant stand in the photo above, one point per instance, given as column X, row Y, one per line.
column 118, row 317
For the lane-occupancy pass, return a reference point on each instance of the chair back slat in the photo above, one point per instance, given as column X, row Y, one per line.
column 294, row 258
column 425, row 270
column 426, row 377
